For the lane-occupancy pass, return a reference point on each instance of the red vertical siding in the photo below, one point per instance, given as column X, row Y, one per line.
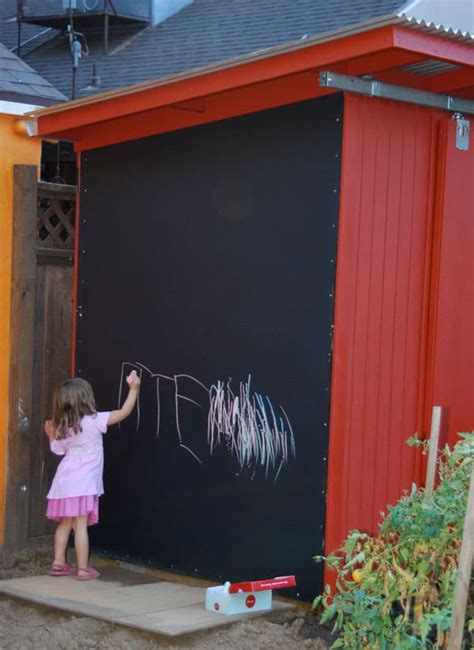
column 451, row 350
column 76, row 268
column 380, row 312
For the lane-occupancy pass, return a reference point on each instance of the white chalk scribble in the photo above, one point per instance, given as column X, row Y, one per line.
column 245, row 423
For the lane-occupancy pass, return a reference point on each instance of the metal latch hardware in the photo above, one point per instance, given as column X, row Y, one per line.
column 463, row 128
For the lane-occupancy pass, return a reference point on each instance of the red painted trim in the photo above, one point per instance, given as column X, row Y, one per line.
column 466, row 93
column 372, row 63
column 425, row 390
column 334, row 489
column 448, row 81
column 401, row 78
column 440, row 174
column 453, row 80
column 76, row 269
column 433, row 47
column 247, row 87
column 232, row 103
column 273, row 67
column 238, row 101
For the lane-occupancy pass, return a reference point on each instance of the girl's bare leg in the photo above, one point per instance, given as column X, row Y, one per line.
column 61, row 537
column 81, row 543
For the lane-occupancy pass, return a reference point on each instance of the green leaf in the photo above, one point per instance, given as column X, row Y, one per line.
column 316, row 602
column 328, row 614
column 357, row 559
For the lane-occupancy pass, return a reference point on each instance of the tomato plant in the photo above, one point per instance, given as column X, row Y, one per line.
column 395, row 590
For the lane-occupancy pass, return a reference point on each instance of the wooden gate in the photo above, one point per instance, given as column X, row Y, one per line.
column 41, row 335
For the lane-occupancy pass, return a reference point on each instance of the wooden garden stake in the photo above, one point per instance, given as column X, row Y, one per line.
column 461, row 592
column 433, row 450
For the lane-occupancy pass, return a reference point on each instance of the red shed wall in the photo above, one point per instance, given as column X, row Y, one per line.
column 382, row 289
column 451, row 342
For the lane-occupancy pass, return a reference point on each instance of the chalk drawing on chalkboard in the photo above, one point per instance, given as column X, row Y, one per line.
column 253, row 432
column 249, row 427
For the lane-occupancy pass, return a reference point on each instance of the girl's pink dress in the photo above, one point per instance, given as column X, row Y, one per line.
column 78, row 484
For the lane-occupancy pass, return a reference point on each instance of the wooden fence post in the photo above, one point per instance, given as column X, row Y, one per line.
column 21, row 355
column 466, row 557
column 433, row 450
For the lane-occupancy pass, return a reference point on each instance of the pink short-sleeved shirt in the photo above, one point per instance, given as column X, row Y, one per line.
column 80, row 471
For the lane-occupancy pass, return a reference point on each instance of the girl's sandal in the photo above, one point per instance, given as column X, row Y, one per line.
column 87, row 574
column 58, row 570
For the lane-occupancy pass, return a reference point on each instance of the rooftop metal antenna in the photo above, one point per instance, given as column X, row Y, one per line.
column 75, row 47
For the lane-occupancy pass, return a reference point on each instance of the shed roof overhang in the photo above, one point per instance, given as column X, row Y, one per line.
column 262, row 80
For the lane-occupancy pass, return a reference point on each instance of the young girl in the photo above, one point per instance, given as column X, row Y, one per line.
column 75, row 432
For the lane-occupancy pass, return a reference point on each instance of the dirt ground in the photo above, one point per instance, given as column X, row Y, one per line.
column 31, row 627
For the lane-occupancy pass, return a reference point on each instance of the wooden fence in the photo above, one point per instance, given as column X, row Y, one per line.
column 40, row 344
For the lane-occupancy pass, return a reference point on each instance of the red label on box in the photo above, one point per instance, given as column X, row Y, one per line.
column 250, row 601
column 262, row 585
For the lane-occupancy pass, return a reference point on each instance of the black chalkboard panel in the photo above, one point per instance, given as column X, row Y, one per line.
column 207, row 262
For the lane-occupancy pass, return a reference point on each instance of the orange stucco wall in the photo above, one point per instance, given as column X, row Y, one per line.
column 15, row 149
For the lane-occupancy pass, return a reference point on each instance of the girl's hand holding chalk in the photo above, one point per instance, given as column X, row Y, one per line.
column 133, row 381
column 49, row 429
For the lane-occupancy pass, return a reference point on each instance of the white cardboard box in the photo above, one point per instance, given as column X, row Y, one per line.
column 218, row 599
column 244, row 597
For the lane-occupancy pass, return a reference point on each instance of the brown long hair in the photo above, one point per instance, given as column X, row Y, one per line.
column 74, row 398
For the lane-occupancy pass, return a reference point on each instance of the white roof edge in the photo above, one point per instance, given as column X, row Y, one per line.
column 455, row 17
column 17, row 108
column 443, row 30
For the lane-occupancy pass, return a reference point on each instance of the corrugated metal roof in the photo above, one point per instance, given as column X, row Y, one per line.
column 439, row 30
column 429, row 68
column 453, row 18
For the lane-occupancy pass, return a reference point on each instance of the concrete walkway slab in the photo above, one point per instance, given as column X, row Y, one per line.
column 129, row 598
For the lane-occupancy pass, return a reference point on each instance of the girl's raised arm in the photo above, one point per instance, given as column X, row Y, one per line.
column 133, row 381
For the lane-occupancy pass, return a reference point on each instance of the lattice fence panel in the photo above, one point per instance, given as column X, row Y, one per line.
column 56, row 216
